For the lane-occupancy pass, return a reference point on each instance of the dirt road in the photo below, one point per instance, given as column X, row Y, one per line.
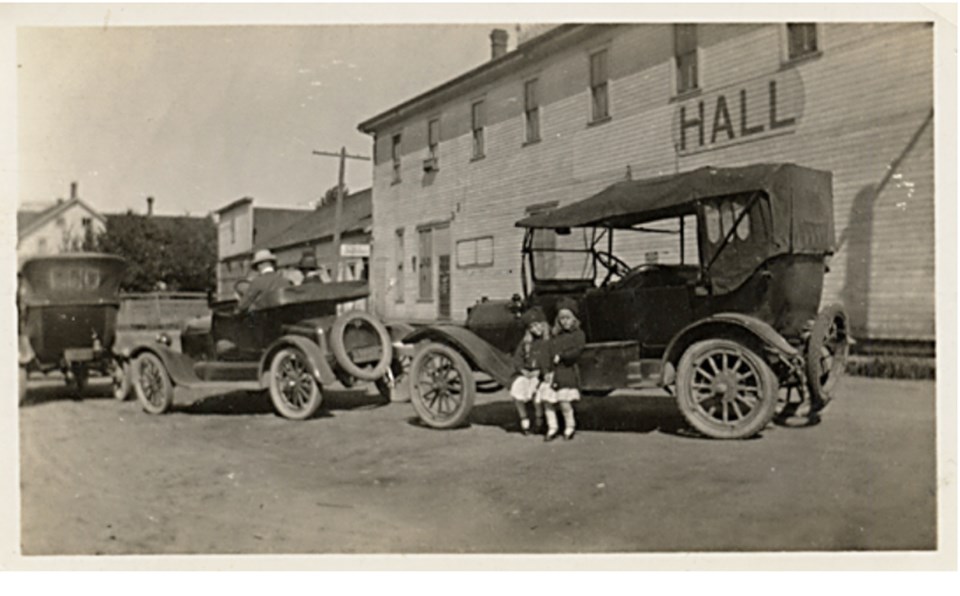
column 223, row 474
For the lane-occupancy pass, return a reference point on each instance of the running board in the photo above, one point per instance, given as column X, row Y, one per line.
column 223, row 385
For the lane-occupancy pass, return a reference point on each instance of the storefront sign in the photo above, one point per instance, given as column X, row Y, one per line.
column 355, row 250
column 754, row 110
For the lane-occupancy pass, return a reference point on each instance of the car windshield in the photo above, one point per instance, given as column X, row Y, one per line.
column 557, row 256
column 562, row 256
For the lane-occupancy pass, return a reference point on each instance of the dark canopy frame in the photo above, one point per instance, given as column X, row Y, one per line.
column 799, row 199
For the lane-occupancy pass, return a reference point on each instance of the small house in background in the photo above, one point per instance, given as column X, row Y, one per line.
column 61, row 227
column 240, row 226
column 313, row 234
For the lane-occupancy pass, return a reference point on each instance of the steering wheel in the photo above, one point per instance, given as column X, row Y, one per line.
column 613, row 264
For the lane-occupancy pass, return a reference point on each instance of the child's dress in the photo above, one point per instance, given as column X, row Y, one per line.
column 533, row 360
column 568, row 345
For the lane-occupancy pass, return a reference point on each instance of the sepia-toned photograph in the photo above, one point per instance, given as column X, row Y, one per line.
column 304, row 284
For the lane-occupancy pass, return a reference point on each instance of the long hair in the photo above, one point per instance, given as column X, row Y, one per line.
column 528, row 337
column 557, row 329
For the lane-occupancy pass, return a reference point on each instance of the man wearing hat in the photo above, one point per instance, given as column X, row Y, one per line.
column 266, row 281
column 308, row 267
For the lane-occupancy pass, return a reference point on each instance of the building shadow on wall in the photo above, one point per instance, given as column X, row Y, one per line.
column 856, row 240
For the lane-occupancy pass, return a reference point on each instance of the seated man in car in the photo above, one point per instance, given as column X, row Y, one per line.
column 267, row 280
column 308, row 267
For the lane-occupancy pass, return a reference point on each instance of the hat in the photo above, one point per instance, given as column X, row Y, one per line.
column 263, row 255
column 308, row 261
column 534, row 315
column 568, row 304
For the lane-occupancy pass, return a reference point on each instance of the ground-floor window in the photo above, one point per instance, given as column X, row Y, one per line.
column 425, row 265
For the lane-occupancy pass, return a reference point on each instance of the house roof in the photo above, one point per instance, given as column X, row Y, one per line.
column 233, row 204
column 30, row 221
column 318, row 224
column 533, row 49
column 268, row 221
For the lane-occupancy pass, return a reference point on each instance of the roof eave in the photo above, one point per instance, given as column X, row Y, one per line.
column 475, row 77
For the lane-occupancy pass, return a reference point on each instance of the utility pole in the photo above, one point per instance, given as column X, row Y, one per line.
column 338, row 208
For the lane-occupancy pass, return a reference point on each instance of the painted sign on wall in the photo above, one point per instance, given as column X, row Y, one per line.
column 756, row 109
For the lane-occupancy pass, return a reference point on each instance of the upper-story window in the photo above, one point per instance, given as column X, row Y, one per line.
column 599, row 86
column 477, row 120
column 233, row 230
column 395, row 156
column 801, row 40
column 531, row 110
column 433, row 138
column 685, row 54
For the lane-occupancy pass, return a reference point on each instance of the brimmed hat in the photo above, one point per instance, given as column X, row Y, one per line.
column 308, row 261
column 568, row 304
column 263, row 255
column 534, row 315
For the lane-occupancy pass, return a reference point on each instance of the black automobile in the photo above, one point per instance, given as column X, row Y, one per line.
column 295, row 346
column 724, row 332
column 68, row 307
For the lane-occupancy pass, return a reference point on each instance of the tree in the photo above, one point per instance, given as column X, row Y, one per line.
column 331, row 195
column 181, row 252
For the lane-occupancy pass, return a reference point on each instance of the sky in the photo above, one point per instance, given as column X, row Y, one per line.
column 198, row 116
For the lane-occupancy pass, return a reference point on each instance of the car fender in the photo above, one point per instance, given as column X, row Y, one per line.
column 480, row 354
column 179, row 366
column 316, row 356
column 720, row 325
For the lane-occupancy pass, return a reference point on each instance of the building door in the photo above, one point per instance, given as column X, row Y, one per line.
column 443, row 250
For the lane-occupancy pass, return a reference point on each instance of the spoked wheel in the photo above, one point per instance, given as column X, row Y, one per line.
column 826, row 354
column 152, row 383
column 442, row 388
column 725, row 390
column 120, row 380
column 294, row 391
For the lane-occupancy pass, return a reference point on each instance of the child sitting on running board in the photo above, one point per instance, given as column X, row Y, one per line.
column 533, row 361
column 566, row 344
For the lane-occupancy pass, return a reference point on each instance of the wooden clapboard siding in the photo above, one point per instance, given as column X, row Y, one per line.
column 864, row 100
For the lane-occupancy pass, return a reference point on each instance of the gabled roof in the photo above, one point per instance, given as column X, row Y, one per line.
column 30, row 221
column 267, row 221
column 233, row 204
column 318, row 224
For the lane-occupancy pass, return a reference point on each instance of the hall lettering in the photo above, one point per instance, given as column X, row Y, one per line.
column 722, row 124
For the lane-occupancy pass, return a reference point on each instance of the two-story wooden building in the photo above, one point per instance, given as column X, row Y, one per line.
column 578, row 107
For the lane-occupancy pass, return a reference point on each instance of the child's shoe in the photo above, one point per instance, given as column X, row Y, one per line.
column 525, row 427
column 568, row 434
column 551, row 435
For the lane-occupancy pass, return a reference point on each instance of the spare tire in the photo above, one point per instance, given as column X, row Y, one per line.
column 338, row 344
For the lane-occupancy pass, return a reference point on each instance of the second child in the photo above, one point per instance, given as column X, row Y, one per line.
column 532, row 359
column 566, row 345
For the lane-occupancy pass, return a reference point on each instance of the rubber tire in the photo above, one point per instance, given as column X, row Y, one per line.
column 769, row 388
column 811, row 355
column 166, row 389
column 22, row 384
column 469, row 391
column 121, row 392
column 340, row 352
column 279, row 404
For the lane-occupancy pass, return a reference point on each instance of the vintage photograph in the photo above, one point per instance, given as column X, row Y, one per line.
column 508, row 286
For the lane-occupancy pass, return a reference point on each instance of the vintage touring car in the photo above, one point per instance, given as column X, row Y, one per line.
column 294, row 345
column 68, row 318
column 725, row 334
